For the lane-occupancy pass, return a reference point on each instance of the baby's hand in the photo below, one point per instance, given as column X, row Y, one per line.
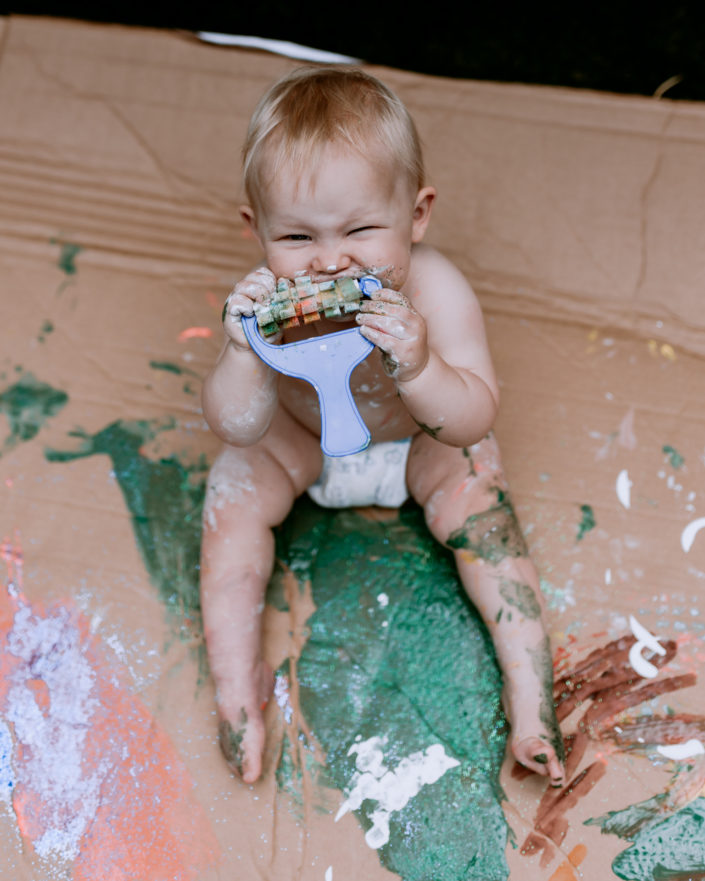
column 257, row 287
column 389, row 321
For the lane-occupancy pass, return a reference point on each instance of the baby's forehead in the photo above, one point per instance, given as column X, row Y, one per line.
column 300, row 175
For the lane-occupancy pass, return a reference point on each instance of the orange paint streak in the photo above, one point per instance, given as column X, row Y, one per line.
column 191, row 333
column 565, row 871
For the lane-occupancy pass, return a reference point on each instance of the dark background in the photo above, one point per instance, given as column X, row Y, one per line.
column 618, row 47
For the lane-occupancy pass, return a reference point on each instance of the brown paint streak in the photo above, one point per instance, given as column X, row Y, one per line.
column 603, row 669
column 619, row 699
column 607, row 683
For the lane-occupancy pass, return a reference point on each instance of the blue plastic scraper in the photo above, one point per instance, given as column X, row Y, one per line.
column 326, row 362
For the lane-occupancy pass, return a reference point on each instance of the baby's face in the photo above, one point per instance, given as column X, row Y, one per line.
column 346, row 218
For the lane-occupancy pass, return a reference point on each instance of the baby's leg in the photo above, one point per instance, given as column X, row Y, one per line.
column 250, row 490
column 465, row 497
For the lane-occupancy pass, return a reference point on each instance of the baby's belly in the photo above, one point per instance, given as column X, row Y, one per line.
column 375, row 396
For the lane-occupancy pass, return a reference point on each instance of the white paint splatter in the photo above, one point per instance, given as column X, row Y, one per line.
column 644, row 639
column 685, row 750
column 689, row 533
column 329, row 873
column 626, row 437
column 383, row 600
column 392, row 790
column 281, row 695
column 623, row 488
column 51, row 733
column 6, row 775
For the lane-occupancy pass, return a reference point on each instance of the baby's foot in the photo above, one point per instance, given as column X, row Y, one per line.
column 241, row 725
column 536, row 739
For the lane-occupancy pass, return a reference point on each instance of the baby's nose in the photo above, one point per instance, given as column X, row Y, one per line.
column 331, row 260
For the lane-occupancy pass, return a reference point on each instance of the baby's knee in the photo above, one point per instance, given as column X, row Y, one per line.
column 476, row 515
column 491, row 534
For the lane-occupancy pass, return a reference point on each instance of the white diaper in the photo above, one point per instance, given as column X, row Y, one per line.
column 376, row 476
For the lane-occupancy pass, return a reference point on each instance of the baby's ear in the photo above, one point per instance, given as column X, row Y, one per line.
column 422, row 213
column 248, row 215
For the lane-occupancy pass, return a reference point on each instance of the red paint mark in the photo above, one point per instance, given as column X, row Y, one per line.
column 122, row 805
column 195, row 333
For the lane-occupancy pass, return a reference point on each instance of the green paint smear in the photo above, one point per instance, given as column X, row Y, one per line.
column 28, row 405
column 587, row 522
column 170, row 367
column 428, row 677
column 674, row 457
column 67, row 258
column 671, row 848
column 165, row 499
column 542, row 664
column 46, row 329
column 521, row 596
column 491, row 535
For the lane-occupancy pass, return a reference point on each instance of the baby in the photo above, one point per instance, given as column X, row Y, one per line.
column 335, row 185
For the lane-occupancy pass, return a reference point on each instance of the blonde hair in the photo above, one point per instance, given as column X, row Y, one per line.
column 312, row 107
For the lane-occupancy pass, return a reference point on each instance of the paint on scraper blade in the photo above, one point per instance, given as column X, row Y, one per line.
column 406, row 686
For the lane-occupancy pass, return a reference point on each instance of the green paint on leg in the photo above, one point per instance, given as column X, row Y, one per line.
column 165, row 499
column 417, row 670
column 543, row 667
column 231, row 741
column 662, row 848
column 587, row 522
column 432, row 432
column 28, row 405
column 674, row 457
column 471, row 463
column 521, row 596
column 541, row 758
column 491, row 535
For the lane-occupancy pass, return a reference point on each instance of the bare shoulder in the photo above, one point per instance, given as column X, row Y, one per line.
column 429, row 267
column 456, row 328
column 440, row 291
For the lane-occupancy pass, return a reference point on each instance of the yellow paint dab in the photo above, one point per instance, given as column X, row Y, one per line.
column 668, row 351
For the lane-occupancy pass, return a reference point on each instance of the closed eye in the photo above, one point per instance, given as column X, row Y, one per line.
column 297, row 237
column 361, row 229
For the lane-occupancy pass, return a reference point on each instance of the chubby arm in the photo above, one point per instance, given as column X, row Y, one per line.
column 239, row 395
column 435, row 348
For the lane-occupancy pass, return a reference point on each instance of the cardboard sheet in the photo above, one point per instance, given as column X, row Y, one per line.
column 579, row 218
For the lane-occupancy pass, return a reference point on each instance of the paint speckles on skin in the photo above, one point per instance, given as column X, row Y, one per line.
column 675, row 459
column 521, row 596
column 491, row 535
column 543, row 667
column 231, row 741
column 28, row 405
column 230, row 481
column 587, row 522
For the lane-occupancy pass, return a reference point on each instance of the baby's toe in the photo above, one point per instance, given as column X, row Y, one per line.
column 538, row 756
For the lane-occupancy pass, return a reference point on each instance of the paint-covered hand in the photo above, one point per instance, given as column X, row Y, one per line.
column 388, row 320
column 257, row 287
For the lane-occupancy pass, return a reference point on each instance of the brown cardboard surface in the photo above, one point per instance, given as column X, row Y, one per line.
column 578, row 217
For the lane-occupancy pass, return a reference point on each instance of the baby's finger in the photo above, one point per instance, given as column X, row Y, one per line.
column 236, row 306
column 389, row 325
